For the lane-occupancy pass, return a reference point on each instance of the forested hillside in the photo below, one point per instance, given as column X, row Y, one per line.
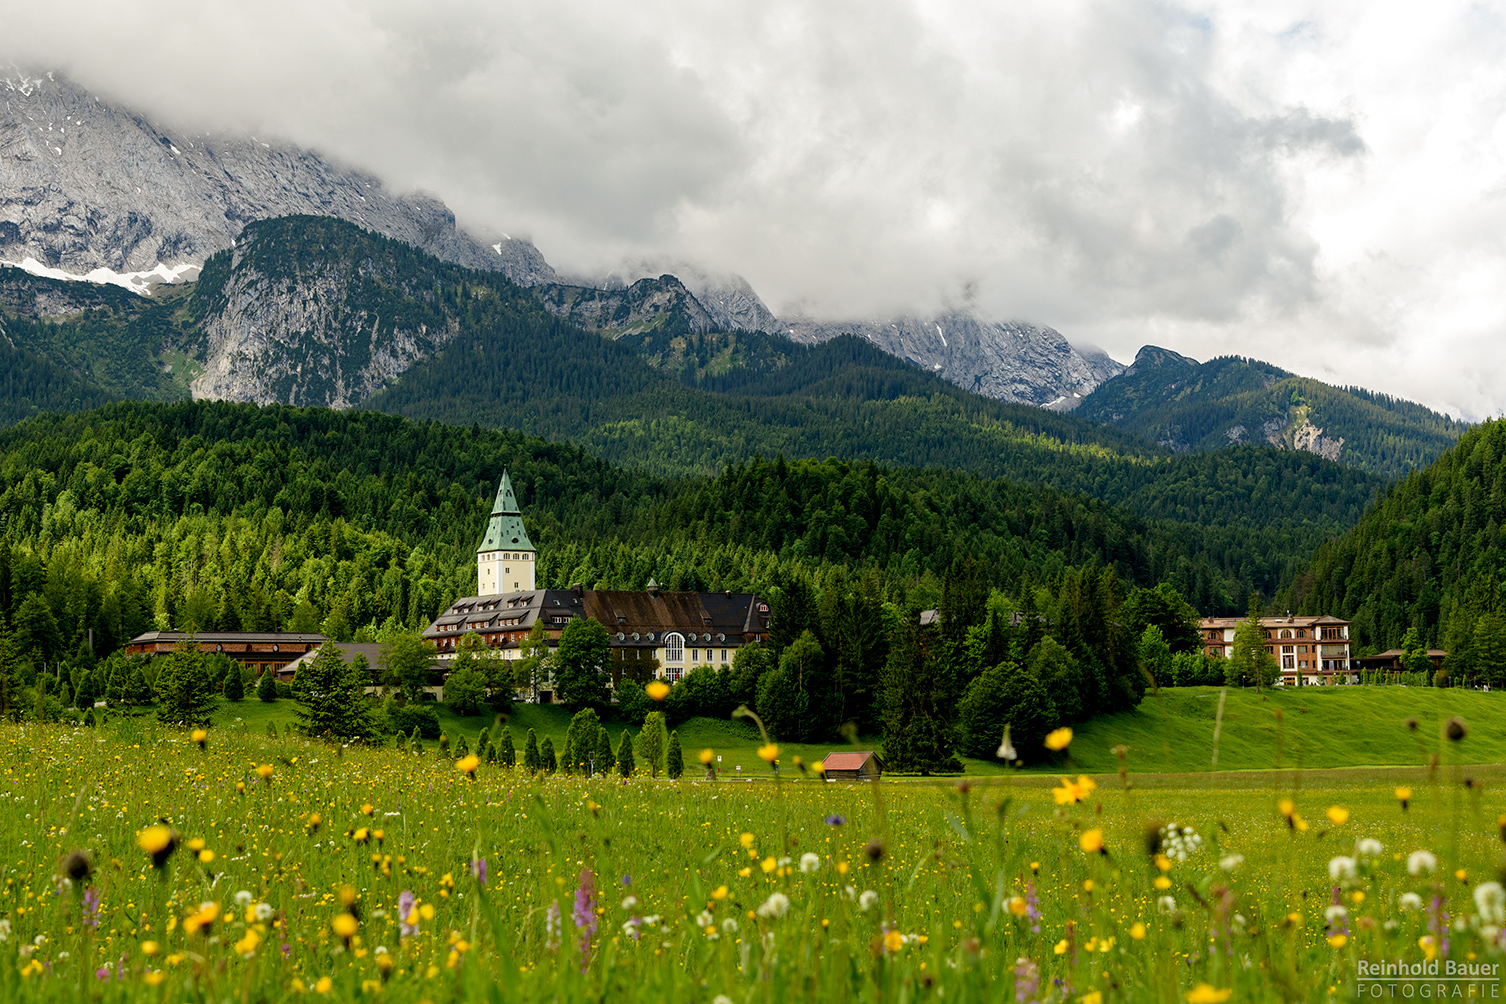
column 1186, row 405
column 1429, row 556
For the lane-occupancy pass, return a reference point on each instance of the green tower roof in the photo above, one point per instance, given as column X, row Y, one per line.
column 504, row 530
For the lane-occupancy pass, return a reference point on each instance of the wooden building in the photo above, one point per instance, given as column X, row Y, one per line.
column 858, row 766
column 259, row 650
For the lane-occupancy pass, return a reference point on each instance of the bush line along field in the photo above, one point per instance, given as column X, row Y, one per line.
column 291, row 869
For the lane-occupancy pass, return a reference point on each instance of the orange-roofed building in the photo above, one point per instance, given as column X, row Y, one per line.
column 859, row 766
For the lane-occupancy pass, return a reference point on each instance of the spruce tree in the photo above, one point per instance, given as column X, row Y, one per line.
column 415, row 742
column 183, row 690
column 604, row 761
column 674, row 759
column 547, row 762
column 532, row 760
column 568, row 757
column 625, row 754
column 462, row 749
column 507, row 752
column 235, row 684
column 331, row 696
column 484, row 744
column 266, row 685
column 444, row 746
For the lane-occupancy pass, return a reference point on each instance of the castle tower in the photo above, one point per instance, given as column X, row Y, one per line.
column 505, row 560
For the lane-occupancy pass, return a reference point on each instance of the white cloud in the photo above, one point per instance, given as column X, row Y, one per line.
column 1317, row 184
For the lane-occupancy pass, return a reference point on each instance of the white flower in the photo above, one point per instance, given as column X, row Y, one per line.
column 1341, row 868
column 777, row 905
column 867, row 900
column 809, row 863
column 264, row 912
column 849, row 892
column 1368, row 847
column 1229, row 862
column 721, row 999
column 729, row 926
column 1490, row 900
column 1409, row 901
column 1166, row 905
column 630, row 902
column 1335, row 913
column 4, row 929
column 704, row 919
column 243, row 899
column 1420, row 863
column 1005, row 750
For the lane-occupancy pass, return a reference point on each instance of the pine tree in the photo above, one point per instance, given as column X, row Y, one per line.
column 532, row 759
column 331, row 696
column 507, row 753
column 235, row 684
column 547, row 763
column 625, row 754
column 604, row 761
column 266, row 686
column 674, row 759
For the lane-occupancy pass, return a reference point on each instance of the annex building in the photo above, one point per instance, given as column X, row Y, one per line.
column 1308, row 650
column 667, row 634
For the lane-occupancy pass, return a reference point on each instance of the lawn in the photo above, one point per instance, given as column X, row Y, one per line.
column 1317, row 727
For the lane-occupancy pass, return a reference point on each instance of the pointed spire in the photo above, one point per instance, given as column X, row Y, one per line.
column 506, row 501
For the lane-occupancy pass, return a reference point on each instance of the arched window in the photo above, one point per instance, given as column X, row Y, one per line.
column 674, row 648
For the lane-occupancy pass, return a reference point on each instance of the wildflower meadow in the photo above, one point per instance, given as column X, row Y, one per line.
column 145, row 863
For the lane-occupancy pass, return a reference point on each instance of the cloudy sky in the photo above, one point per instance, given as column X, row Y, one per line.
column 1318, row 185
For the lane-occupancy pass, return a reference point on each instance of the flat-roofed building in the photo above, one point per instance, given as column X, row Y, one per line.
column 257, row 649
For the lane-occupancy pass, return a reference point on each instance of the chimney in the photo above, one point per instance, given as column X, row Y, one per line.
column 576, row 589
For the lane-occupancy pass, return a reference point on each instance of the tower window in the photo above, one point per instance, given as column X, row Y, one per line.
column 674, row 648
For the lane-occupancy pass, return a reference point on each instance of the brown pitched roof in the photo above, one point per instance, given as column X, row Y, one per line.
column 849, row 761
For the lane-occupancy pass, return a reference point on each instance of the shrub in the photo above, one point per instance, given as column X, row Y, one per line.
column 674, row 760
column 266, row 685
column 413, row 718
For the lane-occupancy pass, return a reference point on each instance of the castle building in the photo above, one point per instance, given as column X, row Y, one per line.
column 654, row 633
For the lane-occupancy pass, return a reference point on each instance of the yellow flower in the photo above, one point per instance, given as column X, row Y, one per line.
column 744, row 872
column 264, row 771
column 247, row 945
column 1137, row 931
column 196, row 844
column 1018, row 906
column 1060, row 947
column 1058, row 739
column 1337, row 815
column 1162, row 882
column 200, row 737
column 1461, row 874
column 151, row 979
column 150, row 948
column 769, row 752
column 1287, row 807
column 707, row 756
column 842, row 867
column 201, row 920
column 894, row 941
column 426, row 911
column 657, row 689
column 1093, row 997
column 1091, row 841
column 324, row 986
column 720, row 892
column 1163, row 862
column 468, row 764
column 1429, row 947
column 769, row 864
column 1207, row 993
column 367, row 808
column 345, row 926
column 155, row 839
column 1074, row 791
column 361, row 835
column 1404, row 795
column 206, row 856
column 746, row 840
column 1338, row 940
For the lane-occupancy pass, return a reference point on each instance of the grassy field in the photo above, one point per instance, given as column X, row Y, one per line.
column 1317, row 727
column 305, row 871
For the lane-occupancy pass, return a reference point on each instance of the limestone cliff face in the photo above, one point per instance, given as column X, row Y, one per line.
column 1010, row 361
column 298, row 341
column 86, row 184
column 646, row 304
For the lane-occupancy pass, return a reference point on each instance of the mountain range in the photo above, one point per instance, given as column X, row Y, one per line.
column 91, row 189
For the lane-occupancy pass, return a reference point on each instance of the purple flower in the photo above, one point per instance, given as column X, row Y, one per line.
column 91, row 907
column 102, row 973
column 1027, row 980
column 405, row 902
column 627, row 879
column 478, row 870
column 835, row 820
column 585, row 912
